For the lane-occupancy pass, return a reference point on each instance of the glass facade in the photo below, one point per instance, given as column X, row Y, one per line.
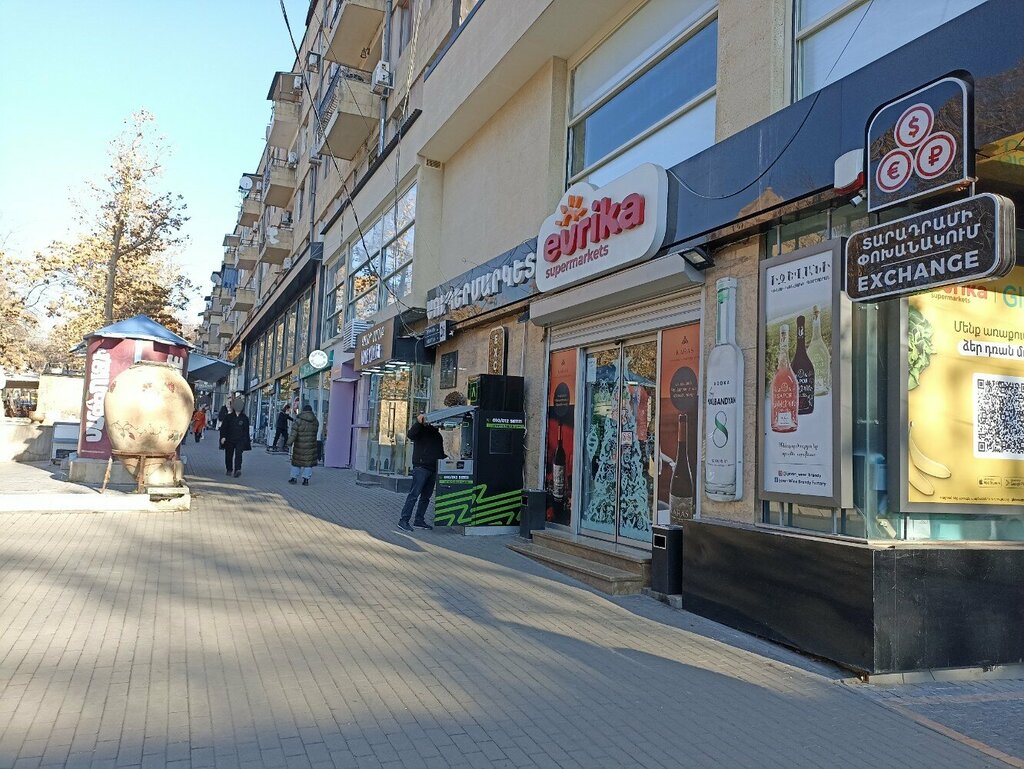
column 875, row 340
column 395, row 397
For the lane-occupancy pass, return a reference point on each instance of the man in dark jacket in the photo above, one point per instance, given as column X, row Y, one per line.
column 305, row 450
column 234, row 437
column 427, row 448
column 281, row 428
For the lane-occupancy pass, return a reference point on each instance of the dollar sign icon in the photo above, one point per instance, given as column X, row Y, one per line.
column 914, row 127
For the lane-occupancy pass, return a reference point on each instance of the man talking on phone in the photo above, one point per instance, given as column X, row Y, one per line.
column 427, row 448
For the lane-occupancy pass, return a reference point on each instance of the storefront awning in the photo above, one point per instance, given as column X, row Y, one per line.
column 448, row 415
column 206, row 368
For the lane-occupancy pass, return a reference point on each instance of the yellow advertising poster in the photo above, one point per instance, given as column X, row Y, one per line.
column 965, row 402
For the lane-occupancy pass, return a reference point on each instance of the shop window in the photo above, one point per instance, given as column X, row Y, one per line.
column 290, row 336
column 647, row 92
column 874, row 329
column 837, row 37
column 304, row 320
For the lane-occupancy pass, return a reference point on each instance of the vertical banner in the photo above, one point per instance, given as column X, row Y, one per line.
column 964, row 423
column 804, row 439
column 676, row 464
column 558, row 452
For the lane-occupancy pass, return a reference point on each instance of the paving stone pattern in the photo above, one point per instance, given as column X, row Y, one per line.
column 291, row 626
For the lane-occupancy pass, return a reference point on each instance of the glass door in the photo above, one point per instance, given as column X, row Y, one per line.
column 619, row 411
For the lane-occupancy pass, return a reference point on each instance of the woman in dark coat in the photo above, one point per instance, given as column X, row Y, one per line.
column 234, row 437
column 305, row 449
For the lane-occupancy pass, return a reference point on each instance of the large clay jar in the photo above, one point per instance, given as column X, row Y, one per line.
column 147, row 410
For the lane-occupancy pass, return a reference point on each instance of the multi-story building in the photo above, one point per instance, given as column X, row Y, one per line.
column 612, row 199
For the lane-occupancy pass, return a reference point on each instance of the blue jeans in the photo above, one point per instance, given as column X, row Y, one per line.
column 307, row 472
column 423, row 479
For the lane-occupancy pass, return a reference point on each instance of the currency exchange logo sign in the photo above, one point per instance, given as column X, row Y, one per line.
column 920, row 144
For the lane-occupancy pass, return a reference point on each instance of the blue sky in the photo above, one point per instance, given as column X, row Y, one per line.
column 73, row 70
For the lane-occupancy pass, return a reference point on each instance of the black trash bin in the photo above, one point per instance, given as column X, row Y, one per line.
column 532, row 513
column 667, row 560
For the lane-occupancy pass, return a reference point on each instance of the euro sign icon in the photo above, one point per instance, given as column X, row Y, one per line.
column 894, row 171
column 915, row 126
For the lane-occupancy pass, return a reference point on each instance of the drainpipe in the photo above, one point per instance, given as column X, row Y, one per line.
column 385, row 56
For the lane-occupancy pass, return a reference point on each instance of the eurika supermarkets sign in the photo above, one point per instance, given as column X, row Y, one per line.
column 598, row 230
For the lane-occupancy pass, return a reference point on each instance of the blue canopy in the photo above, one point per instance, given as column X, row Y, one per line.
column 206, row 368
column 140, row 327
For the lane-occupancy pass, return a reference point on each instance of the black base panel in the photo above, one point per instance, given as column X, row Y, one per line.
column 872, row 609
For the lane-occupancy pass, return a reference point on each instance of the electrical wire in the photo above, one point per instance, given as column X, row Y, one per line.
column 799, row 128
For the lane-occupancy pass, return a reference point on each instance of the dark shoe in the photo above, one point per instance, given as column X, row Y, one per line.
column 229, row 473
column 237, row 473
column 305, row 481
column 422, row 525
column 292, row 480
column 404, row 526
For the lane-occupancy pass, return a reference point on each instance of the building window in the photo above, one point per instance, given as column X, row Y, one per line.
column 647, row 93
column 837, row 37
column 380, row 262
column 334, row 303
column 402, row 21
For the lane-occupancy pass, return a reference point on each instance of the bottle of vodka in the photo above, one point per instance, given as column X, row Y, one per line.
column 723, row 413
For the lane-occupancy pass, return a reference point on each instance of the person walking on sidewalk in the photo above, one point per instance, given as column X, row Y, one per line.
column 234, row 437
column 427, row 448
column 198, row 423
column 281, row 428
column 305, row 451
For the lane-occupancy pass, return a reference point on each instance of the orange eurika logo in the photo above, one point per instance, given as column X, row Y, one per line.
column 573, row 212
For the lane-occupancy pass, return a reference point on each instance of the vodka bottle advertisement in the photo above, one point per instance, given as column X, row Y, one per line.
column 798, row 443
column 723, row 405
column 558, row 454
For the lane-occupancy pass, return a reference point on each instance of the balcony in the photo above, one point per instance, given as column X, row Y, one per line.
column 226, row 330
column 348, row 114
column 276, row 244
column 231, row 240
column 245, row 298
column 252, row 206
column 353, row 41
column 278, row 183
column 284, row 124
column 248, row 255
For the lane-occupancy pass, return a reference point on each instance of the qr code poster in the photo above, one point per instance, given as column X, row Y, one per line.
column 965, row 400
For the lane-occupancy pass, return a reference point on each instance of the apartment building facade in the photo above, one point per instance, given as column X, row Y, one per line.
column 601, row 197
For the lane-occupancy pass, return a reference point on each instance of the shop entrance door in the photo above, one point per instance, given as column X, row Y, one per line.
column 619, row 418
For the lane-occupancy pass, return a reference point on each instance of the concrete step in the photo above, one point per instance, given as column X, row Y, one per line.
column 636, row 562
column 607, row 579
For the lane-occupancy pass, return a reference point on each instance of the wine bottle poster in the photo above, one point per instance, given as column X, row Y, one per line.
column 558, row 452
column 964, row 428
column 798, row 358
column 676, row 460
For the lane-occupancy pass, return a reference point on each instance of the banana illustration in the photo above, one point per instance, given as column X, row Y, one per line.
column 924, row 463
column 918, row 480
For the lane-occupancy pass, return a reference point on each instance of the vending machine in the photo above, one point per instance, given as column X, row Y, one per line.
column 480, row 484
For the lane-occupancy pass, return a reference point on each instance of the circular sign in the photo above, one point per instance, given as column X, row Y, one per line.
column 935, row 155
column 561, row 409
column 894, row 170
column 914, row 125
column 318, row 359
column 683, row 390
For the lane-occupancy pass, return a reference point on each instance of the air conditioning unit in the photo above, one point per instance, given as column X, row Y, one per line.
column 312, row 62
column 286, row 219
column 351, row 331
column 297, row 83
column 287, row 265
column 381, row 83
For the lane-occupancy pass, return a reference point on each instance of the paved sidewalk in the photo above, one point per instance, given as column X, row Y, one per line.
column 291, row 626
